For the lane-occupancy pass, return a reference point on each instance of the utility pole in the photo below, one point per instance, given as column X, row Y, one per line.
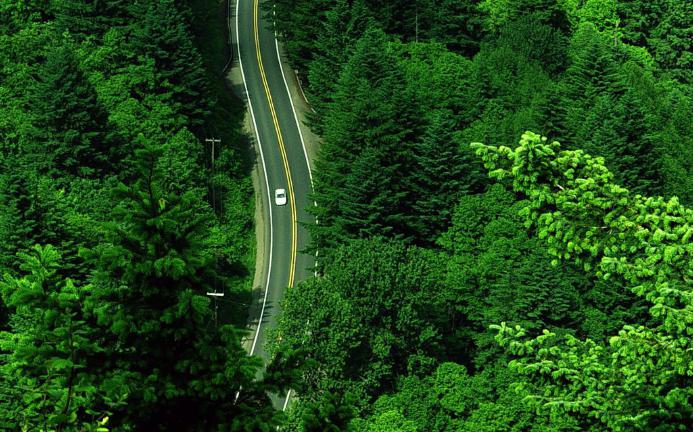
column 213, row 141
column 215, row 296
column 416, row 24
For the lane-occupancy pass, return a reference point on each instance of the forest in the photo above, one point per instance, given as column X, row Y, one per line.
column 115, row 221
column 502, row 186
column 537, row 280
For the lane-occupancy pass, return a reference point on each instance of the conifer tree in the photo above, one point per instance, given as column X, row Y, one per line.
column 162, row 34
column 640, row 379
column 47, row 384
column 181, row 368
column 441, row 176
column 371, row 109
column 593, row 70
column 456, row 24
column 344, row 24
column 72, row 126
column 298, row 24
column 91, row 18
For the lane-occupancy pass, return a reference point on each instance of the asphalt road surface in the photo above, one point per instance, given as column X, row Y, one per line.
column 283, row 161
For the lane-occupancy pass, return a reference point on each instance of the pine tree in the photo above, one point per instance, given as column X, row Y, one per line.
column 298, row 23
column 72, row 126
column 47, row 349
column 163, row 35
column 331, row 413
column 670, row 40
column 181, row 369
column 343, row 25
column 456, row 24
column 640, row 379
column 441, row 176
column 91, row 18
column 371, row 109
column 593, row 70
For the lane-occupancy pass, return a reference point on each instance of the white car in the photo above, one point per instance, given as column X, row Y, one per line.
column 280, row 197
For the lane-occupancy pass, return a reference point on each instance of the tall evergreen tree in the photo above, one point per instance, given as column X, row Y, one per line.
column 163, row 35
column 72, row 130
column 441, row 176
column 670, row 40
column 640, row 379
column 343, row 26
column 298, row 24
column 47, row 384
column 180, row 368
column 371, row 109
column 456, row 24
column 91, row 18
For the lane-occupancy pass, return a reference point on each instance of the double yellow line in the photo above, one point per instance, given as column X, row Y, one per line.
column 280, row 140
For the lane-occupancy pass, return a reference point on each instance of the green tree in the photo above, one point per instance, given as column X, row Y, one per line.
column 331, row 413
column 498, row 13
column 670, row 40
column 372, row 120
column 90, row 18
column 180, row 368
column 456, row 24
column 640, row 380
column 343, row 26
column 441, row 177
column 72, row 134
column 47, row 384
column 163, row 35
column 298, row 23
column 367, row 322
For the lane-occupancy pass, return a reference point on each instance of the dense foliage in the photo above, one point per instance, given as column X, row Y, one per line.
column 542, row 286
column 556, row 300
column 115, row 223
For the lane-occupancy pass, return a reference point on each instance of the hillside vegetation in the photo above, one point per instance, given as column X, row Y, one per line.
column 521, row 285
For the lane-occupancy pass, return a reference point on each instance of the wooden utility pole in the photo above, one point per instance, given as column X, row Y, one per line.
column 213, row 141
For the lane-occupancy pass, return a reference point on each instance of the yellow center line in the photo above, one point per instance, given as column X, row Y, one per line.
column 282, row 149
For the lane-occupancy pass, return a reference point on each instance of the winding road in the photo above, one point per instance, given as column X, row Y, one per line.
column 284, row 165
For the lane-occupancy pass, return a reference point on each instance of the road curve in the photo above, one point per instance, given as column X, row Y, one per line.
column 283, row 162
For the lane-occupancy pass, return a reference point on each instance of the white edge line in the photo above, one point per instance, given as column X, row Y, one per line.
column 293, row 109
column 264, row 168
column 305, row 154
column 286, row 402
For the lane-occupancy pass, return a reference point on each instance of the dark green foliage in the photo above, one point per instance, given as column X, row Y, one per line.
column 330, row 414
column 606, row 77
column 298, row 23
column 134, row 338
column 450, row 400
column 17, row 15
column 91, row 18
column 367, row 150
column 370, row 321
column 46, row 382
column 499, row 274
column 456, row 24
column 441, row 178
column 72, row 125
column 641, row 243
column 179, row 368
column 538, row 42
column 389, row 336
column 593, row 69
column 670, row 40
column 162, row 34
column 344, row 24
